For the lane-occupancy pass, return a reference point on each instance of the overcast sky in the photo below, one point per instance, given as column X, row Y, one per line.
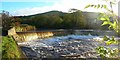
column 29, row 7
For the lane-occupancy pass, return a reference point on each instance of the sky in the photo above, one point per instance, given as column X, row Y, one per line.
column 30, row 7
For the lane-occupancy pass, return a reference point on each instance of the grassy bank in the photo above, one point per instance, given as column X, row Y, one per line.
column 10, row 49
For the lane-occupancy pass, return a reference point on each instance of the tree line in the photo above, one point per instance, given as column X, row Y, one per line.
column 75, row 19
column 56, row 20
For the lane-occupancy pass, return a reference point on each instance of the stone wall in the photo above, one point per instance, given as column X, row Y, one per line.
column 12, row 31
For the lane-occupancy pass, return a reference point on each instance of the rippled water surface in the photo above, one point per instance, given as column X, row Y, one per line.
column 82, row 44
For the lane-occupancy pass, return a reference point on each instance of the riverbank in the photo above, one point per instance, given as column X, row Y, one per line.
column 10, row 49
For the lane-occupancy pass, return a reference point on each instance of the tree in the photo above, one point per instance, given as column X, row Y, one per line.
column 67, row 21
column 77, row 18
column 6, row 20
column 108, row 18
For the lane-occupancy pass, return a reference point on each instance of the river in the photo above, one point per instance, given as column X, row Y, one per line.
column 79, row 44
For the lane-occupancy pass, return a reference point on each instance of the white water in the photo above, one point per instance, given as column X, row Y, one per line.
column 63, row 45
column 49, row 41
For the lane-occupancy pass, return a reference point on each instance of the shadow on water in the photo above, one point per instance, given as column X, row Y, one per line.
column 28, row 51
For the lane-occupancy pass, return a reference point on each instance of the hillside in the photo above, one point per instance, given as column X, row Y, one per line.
column 58, row 19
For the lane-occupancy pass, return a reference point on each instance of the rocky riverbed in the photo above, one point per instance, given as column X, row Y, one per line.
column 70, row 46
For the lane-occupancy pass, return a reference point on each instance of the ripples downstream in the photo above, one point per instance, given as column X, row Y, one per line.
column 70, row 46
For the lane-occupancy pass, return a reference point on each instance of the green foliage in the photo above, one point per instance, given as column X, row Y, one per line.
column 107, row 52
column 111, row 20
column 105, row 38
column 0, row 47
column 56, row 20
column 107, row 21
column 10, row 48
column 106, row 17
column 24, row 27
column 102, row 51
column 98, row 6
column 109, row 41
column 6, row 21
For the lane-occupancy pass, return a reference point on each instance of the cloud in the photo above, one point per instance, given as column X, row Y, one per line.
column 60, row 5
column 28, row 0
column 30, row 11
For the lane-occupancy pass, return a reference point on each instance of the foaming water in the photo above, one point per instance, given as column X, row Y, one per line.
column 73, row 44
column 51, row 40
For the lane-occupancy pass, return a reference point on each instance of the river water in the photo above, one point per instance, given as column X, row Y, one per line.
column 80, row 44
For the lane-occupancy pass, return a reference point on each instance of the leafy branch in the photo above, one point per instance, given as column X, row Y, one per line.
column 108, row 18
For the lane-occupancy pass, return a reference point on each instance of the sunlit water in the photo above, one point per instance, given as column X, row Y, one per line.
column 82, row 44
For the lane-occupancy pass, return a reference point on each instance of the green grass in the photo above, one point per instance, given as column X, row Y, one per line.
column 10, row 48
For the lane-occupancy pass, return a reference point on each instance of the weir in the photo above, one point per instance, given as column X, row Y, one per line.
column 61, row 43
column 28, row 36
column 33, row 35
